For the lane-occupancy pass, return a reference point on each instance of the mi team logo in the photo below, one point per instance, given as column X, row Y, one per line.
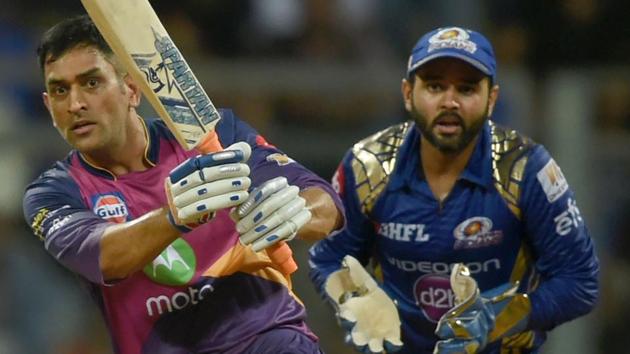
column 110, row 207
column 476, row 232
column 452, row 37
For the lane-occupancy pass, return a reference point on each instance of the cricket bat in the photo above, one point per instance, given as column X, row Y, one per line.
column 137, row 37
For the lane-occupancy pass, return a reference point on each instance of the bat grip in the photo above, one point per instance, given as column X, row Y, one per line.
column 279, row 253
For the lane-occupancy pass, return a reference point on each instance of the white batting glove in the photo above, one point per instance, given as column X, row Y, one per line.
column 364, row 309
column 273, row 212
column 206, row 183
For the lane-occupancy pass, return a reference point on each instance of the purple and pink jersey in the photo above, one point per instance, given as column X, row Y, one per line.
column 205, row 292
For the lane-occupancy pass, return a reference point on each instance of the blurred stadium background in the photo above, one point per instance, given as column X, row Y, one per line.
column 314, row 76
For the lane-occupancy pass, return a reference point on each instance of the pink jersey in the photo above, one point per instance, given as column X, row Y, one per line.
column 205, row 292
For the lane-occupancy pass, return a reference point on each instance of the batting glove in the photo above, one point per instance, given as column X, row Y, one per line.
column 474, row 321
column 273, row 212
column 201, row 185
column 364, row 309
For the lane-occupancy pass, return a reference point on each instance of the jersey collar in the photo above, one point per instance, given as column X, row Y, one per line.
column 407, row 170
column 151, row 153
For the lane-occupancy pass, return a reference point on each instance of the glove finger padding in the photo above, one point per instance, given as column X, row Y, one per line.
column 286, row 231
column 277, row 218
column 364, row 308
column 208, row 174
column 201, row 185
column 218, row 188
column 273, row 212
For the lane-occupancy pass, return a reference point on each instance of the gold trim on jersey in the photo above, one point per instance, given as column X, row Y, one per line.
column 149, row 142
column 509, row 157
column 374, row 161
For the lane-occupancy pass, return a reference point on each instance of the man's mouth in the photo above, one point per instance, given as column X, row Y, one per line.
column 82, row 127
column 448, row 124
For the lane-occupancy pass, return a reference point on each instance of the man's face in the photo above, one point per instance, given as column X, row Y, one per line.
column 450, row 101
column 89, row 102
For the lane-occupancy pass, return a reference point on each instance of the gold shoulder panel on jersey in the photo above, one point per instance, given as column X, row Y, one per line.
column 509, row 157
column 373, row 162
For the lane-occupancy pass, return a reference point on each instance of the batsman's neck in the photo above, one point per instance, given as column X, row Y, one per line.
column 127, row 153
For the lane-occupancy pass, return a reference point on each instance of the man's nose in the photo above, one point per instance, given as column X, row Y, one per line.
column 450, row 99
column 77, row 101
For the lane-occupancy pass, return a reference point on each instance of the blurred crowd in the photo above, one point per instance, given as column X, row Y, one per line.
column 304, row 72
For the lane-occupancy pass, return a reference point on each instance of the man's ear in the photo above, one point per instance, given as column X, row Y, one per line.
column 406, row 89
column 46, row 100
column 133, row 90
column 492, row 99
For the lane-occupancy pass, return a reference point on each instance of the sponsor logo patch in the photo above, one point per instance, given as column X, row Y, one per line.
column 280, row 159
column 174, row 266
column 111, row 207
column 403, row 232
column 44, row 215
column 476, row 232
column 38, row 221
column 193, row 295
column 433, row 296
column 552, row 181
column 569, row 219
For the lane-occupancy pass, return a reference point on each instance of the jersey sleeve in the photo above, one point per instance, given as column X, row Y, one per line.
column 355, row 238
column 563, row 249
column 71, row 233
column 267, row 161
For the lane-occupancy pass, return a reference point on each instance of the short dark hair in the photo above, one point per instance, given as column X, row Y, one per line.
column 69, row 34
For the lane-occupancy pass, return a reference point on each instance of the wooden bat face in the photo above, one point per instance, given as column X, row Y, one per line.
column 139, row 40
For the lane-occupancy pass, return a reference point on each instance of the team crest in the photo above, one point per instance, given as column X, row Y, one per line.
column 111, row 207
column 476, row 232
column 452, row 37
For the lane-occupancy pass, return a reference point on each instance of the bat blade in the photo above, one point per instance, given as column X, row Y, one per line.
column 137, row 37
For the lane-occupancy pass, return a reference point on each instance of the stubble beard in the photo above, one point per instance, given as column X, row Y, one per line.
column 449, row 145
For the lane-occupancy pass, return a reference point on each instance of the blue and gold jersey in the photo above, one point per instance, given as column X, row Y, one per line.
column 511, row 216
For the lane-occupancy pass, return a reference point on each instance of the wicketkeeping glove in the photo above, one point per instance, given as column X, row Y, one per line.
column 273, row 212
column 364, row 309
column 204, row 184
column 478, row 319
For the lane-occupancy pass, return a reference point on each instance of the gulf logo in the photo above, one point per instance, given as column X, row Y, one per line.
column 111, row 207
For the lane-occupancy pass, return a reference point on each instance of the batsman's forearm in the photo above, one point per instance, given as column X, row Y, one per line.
column 325, row 216
column 128, row 247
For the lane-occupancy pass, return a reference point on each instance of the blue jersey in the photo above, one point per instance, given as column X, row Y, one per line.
column 205, row 292
column 510, row 216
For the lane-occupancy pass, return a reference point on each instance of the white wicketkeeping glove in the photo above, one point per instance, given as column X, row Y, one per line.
column 204, row 184
column 364, row 309
column 273, row 212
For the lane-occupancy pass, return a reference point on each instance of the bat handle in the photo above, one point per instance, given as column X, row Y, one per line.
column 279, row 253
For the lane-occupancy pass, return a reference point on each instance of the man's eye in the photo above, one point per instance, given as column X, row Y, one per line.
column 434, row 87
column 92, row 83
column 59, row 91
column 467, row 90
